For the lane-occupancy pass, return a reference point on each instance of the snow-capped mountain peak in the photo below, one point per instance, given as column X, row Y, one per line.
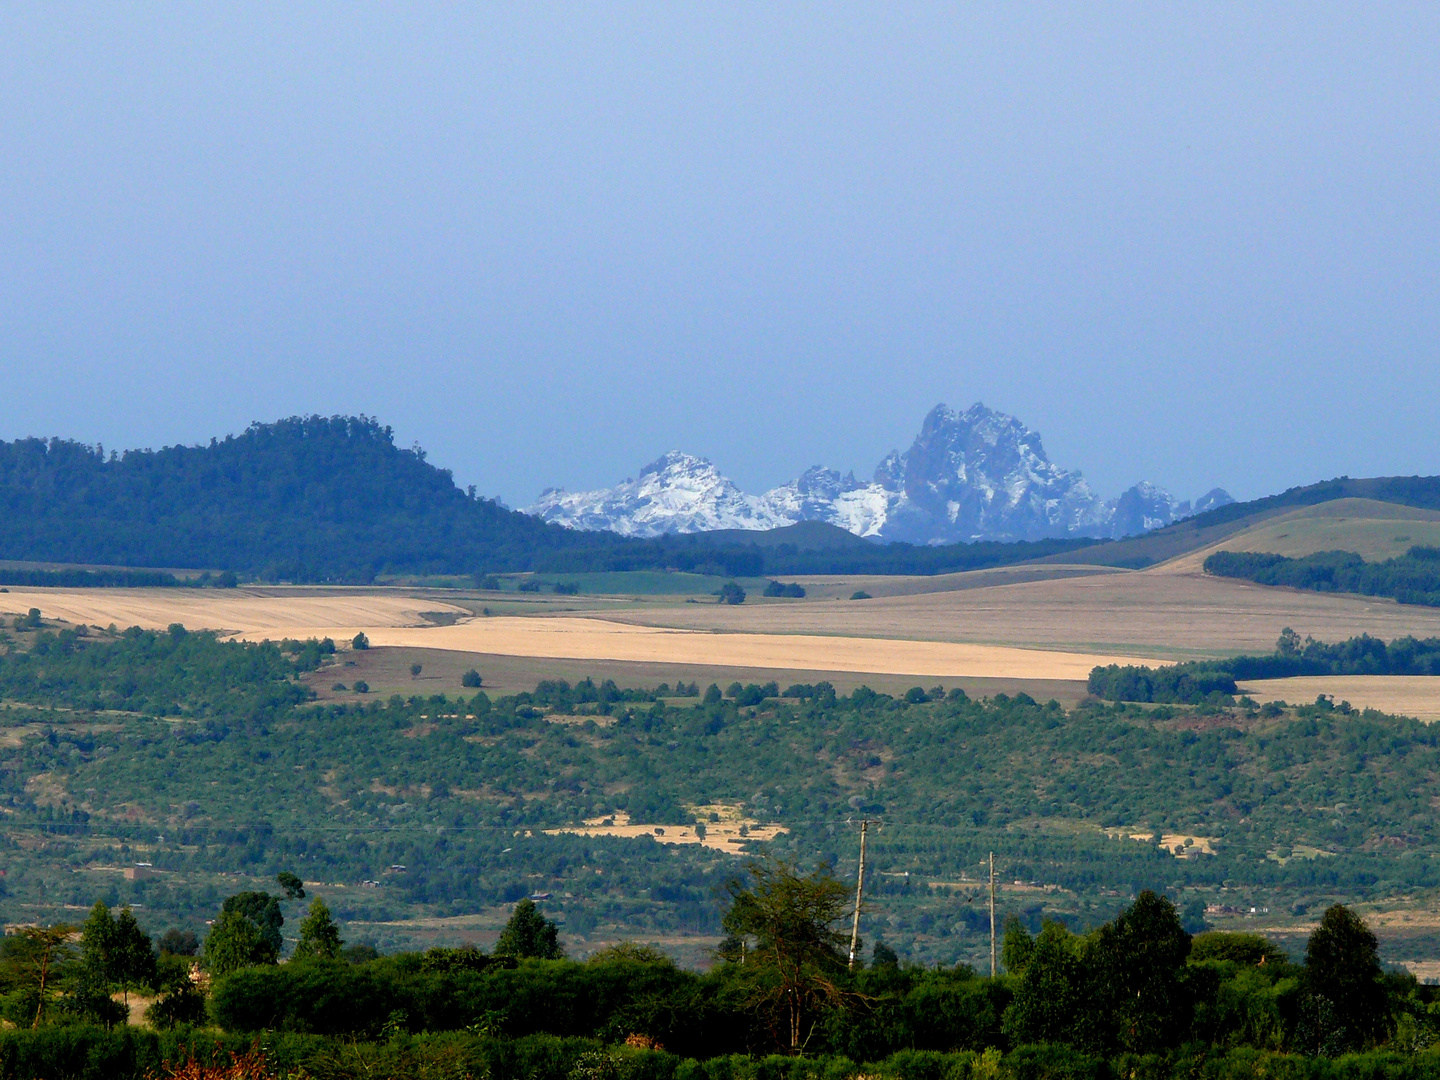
column 976, row 475
column 677, row 492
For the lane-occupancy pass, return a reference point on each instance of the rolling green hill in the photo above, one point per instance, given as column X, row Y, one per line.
column 1420, row 494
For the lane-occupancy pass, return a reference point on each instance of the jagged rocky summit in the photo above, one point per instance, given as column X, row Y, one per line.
column 976, row 475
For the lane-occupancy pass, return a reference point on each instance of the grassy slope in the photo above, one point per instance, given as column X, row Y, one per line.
column 1209, row 529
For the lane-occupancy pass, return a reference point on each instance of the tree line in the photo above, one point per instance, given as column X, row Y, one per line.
column 1412, row 578
column 113, row 578
column 1196, row 681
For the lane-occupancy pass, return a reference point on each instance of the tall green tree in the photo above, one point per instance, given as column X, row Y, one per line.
column 1053, row 1002
column 234, row 942
column 246, row 934
column 529, row 934
column 1140, row 961
column 1342, row 969
column 795, row 955
column 319, row 936
column 114, row 952
column 263, row 910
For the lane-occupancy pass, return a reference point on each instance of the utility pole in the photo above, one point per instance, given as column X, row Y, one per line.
column 859, row 888
column 992, row 914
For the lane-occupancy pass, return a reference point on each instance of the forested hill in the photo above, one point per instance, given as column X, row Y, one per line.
column 312, row 498
column 318, row 499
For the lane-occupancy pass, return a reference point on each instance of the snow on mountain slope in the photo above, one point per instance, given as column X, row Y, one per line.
column 677, row 492
column 976, row 475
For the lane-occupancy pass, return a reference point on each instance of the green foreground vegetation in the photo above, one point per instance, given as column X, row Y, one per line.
column 1138, row 995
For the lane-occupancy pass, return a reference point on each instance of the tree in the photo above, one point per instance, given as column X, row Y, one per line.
column 1140, row 959
column 415, row 670
column 36, row 955
column 1342, row 968
column 1288, row 643
column 529, row 934
column 882, row 956
column 177, row 942
column 114, row 953
column 98, row 943
column 130, row 963
column 246, row 934
column 1052, row 1002
column 293, row 886
column 798, row 957
column 731, row 593
column 360, row 642
column 263, row 910
column 319, row 936
column 471, row 679
column 234, row 942
column 1018, row 946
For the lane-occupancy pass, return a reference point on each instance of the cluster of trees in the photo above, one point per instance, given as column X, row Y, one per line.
column 1196, row 681
column 1412, row 578
column 791, row 589
column 161, row 673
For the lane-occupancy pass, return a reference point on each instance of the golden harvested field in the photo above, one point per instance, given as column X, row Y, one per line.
column 269, row 610
column 387, row 671
column 981, row 626
column 1405, row 695
column 600, row 639
column 1156, row 612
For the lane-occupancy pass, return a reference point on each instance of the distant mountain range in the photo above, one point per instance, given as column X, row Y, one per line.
column 976, row 475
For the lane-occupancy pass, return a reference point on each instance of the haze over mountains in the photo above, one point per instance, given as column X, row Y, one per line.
column 976, row 475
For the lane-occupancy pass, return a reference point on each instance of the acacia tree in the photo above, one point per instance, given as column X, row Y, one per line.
column 794, row 954
column 40, row 952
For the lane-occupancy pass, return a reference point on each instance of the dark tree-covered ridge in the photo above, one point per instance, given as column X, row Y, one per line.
column 333, row 499
column 307, row 498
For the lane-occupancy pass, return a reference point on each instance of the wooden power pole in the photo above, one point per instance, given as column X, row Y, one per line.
column 992, row 914
column 859, row 888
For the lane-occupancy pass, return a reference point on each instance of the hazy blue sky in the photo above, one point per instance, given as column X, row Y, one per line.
column 1195, row 243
